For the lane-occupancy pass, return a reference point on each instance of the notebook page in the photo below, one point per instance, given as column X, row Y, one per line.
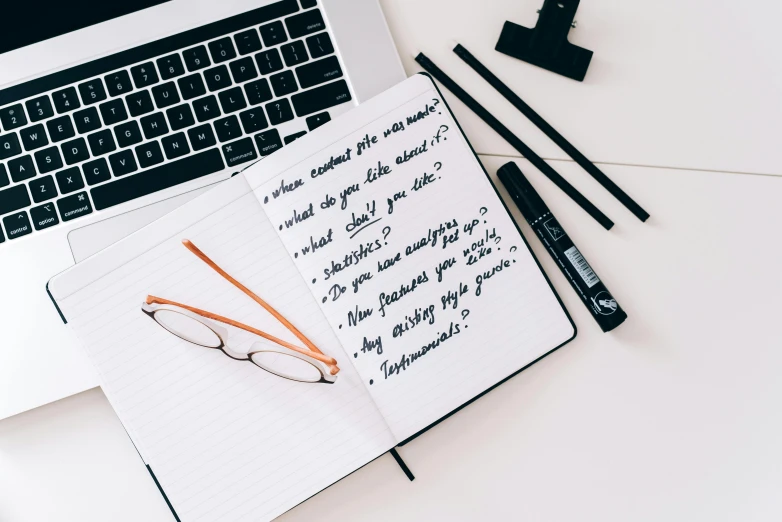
column 411, row 255
column 226, row 439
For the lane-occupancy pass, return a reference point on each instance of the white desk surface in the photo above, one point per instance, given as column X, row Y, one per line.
column 674, row 416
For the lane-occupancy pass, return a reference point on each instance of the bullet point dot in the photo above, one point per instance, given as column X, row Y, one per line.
column 386, row 243
column 324, row 299
column 355, row 355
column 371, row 381
column 280, row 227
column 484, row 221
column 314, row 280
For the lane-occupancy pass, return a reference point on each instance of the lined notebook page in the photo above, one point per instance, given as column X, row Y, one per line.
column 411, row 255
column 226, row 440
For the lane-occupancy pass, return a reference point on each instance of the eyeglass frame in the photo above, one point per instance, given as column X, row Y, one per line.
column 311, row 355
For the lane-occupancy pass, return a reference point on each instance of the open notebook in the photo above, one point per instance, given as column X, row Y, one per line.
column 299, row 320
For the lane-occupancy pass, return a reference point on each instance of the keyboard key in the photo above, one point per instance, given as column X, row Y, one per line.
column 13, row 117
column 222, row 50
column 232, row 100
column 175, row 145
column 113, row 111
column 127, row 134
column 319, row 72
column 17, row 225
column 217, row 78
column 268, row 61
column 253, row 120
column 196, row 58
column 144, row 75
column 60, row 128
column 87, row 120
column 165, row 95
column 154, row 125
column 273, row 33
column 44, row 216
column 14, row 198
column 316, row 120
column 206, row 108
column 201, row 137
column 118, row 83
column 192, row 86
column 92, row 91
column 96, row 171
column 39, row 108
column 170, row 66
column 43, row 189
column 101, row 142
column 75, row 151
column 66, row 100
column 294, row 53
column 238, row 152
column 123, row 162
column 72, row 207
column 283, row 83
column 243, row 69
column 149, row 154
column 227, row 129
column 180, row 117
column 139, row 103
column 48, row 160
column 321, row 98
column 21, row 168
column 247, row 41
column 294, row 137
column 69, row 180
column 157, row 178
column 306, row 4
column 9, row 144
column 279, row 111
column 268, row 142
column 258, row 91
column 305, row 23
column 319, row 45
column 4, row 179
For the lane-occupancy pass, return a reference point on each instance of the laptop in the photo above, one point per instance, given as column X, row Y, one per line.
column 113, row 113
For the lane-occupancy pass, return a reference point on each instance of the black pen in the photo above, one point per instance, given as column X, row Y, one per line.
column 517, row 144
column 576, row 269
column 549, row 131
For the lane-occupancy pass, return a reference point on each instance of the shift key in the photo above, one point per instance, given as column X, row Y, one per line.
column 321, row 98
column 14, row 198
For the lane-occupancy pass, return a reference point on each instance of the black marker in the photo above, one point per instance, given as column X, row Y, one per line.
column 582, row 278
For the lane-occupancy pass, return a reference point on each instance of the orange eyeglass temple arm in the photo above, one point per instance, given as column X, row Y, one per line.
column 194, row 249
column 331, row 362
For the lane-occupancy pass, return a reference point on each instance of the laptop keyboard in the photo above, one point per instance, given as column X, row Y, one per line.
column 149, row 118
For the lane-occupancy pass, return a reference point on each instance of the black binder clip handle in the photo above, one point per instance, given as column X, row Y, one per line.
column 546, row 45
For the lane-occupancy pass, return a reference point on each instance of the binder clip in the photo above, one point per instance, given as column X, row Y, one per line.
column 546, row 44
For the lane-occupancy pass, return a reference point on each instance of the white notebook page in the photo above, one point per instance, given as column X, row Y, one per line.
column 411, row 255
column 226, row 440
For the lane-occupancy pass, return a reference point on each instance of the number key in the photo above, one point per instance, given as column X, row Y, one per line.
column 66, row 100
column 13, row 117
column 144, row 75
column 39, row 108
column 196, row 58
column 222, row 50
column 92, row 91
column 170, row 66
column 118, row 83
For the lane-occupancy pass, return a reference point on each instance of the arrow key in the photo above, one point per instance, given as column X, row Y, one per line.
column 17, row 225
column 44, row 216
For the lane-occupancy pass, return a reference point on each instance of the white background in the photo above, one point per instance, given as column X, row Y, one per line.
column 675, row 416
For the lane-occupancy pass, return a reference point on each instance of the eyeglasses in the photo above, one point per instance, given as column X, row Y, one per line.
column 271, row 353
